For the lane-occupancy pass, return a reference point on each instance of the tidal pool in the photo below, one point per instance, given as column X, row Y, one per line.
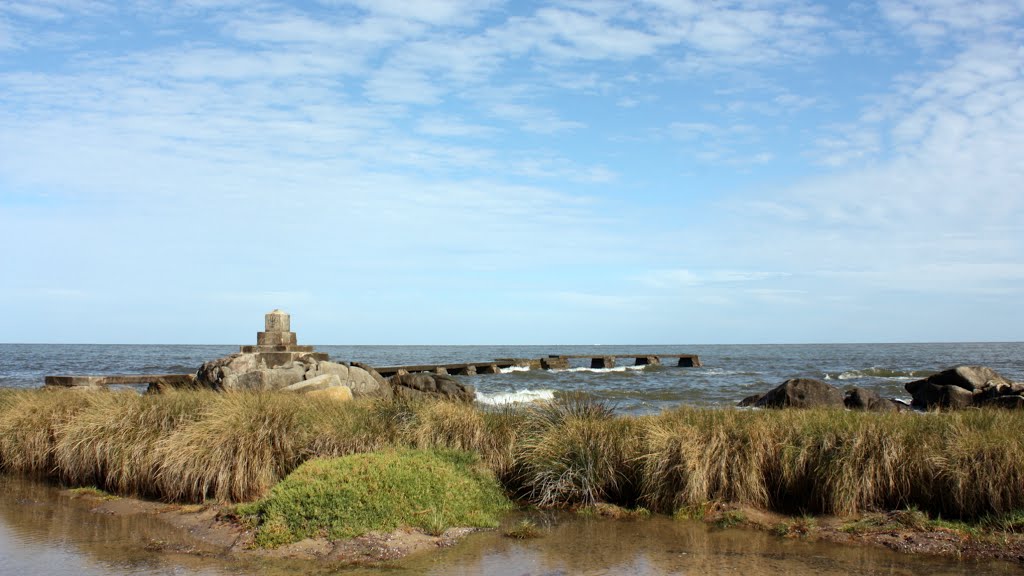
column 45, row 531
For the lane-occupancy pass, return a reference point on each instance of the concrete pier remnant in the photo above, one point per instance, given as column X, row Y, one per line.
column 550, row 362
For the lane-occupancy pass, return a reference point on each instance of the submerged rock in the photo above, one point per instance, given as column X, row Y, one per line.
column 965, row 387
column 801, row 393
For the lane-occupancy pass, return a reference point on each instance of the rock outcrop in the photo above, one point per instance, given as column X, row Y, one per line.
column 431, row 385
column 800, row 393
column 305, row 372
column 965, row 387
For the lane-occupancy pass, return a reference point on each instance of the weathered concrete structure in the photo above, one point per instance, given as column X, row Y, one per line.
column 277, row 344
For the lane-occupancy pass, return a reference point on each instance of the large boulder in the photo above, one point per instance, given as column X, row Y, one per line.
column 964, row 387
column 253, row 371
column 431, row 386
column 801, row 393
column 970, row 378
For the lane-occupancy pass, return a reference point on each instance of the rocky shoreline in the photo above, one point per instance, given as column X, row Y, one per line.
column 951, row 389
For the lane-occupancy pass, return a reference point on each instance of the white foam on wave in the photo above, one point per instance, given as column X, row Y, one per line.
column 517, row 397
column 605, row 370
column 511, row 369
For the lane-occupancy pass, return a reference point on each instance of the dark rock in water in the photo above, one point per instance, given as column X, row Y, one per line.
column 861, row 399
column 964, row 387
column 801, row 393
column 431, row 385
column 750, row 400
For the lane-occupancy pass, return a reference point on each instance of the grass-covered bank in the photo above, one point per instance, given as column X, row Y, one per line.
column 191, row 446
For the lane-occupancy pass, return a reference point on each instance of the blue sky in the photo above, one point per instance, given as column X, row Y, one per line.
column 485, row 172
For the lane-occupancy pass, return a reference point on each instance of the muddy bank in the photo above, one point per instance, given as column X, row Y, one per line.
column 905, row 532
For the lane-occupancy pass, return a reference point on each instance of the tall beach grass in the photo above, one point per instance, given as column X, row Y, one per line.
column 192, row 446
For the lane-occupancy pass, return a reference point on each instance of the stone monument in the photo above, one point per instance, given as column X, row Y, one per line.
column 277, row 344
column 278, row 362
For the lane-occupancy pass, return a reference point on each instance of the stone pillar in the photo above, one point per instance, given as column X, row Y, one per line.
column 602, row 362
column 647, row 360
column 278, row 321
column 278, row 344
column 278, row 332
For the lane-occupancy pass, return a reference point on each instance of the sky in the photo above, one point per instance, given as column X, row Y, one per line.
column 489, row 172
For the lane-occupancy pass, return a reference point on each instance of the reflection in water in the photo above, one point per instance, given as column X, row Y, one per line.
column 44, row 532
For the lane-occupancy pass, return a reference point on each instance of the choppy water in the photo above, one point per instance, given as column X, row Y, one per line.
column 730, row 372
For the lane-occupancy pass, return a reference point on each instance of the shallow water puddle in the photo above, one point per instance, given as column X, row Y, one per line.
column 43, row 531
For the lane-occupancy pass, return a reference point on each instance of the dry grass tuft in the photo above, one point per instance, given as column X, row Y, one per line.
column 29, row 424
column 575, row 451
column 111, row 443
column 236, row 450
column 190, row 446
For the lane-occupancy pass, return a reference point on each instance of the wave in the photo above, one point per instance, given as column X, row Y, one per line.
column 877, row 372
column 515, row 397
column 511, row 369
column 605, row 370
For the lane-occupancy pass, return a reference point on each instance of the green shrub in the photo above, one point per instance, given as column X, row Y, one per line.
column 380, row 491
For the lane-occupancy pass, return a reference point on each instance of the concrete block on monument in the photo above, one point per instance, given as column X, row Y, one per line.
column 276, row 339
column 278, row 321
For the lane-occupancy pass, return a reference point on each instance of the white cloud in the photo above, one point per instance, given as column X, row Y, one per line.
column 931, row 22
column 434, row 12
column 451, row 126
column 534, row 119
column 404, row 86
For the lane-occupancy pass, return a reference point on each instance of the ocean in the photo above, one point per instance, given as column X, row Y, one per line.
column 729, row 373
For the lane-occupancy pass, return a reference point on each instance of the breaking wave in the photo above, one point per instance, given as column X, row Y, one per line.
column 511, row 369
column 515, row 397
column 605, row 370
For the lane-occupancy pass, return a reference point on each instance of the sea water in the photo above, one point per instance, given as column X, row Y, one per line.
column 729, row 372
